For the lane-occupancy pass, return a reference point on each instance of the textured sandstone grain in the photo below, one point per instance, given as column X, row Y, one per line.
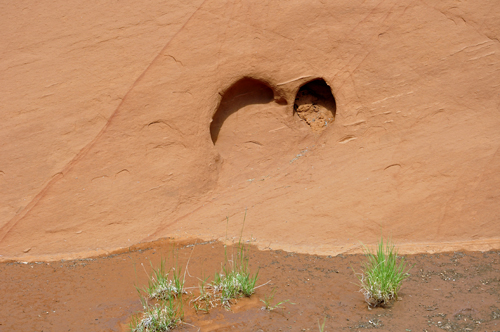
column 106, row 136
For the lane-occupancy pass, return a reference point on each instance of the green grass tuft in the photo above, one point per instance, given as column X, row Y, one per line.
column 235, row 279
column 382, row 275
column 166, row 290
column 232, row 282
column 268, row 299
column 161, row 317
column 321, row 327
column 161, row 287
column 204, row 302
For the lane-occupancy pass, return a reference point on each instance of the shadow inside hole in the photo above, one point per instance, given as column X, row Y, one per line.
column 244, row 92
column 315, row 104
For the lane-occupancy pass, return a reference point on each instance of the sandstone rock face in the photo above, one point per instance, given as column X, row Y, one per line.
column 330, row 123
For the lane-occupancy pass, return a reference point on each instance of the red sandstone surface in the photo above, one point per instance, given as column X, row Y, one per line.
column 125, row 122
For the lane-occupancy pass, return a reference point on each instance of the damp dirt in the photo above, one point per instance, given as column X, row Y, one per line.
column 457, row 291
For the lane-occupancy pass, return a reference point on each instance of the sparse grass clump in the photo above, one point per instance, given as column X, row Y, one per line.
column 268, row 299
column 321, row 327
column 163, row 287
column 205, row 301
column 160, row 317
column 235, row 279
column 382, row 275
column 165, row 290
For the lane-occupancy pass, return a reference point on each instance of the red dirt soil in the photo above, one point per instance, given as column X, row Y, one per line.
column 457, row 291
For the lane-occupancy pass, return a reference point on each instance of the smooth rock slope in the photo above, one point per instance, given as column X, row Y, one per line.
column 329, row 123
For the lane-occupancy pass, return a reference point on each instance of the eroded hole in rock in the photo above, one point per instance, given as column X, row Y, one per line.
column 244, row 92
column 315, row 104
column 254, row 132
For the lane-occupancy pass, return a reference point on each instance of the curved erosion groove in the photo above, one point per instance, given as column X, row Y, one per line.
column 83, row 152
column 245, row 91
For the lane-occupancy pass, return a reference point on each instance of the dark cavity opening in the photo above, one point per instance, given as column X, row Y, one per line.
column 244, row 92
column 315, row 104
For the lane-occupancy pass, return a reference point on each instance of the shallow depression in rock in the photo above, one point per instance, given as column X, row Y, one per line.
column 253, row 129
column 315, row 105
column 246, row 91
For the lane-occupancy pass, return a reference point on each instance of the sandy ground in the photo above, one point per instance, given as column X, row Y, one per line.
column 456, row 291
